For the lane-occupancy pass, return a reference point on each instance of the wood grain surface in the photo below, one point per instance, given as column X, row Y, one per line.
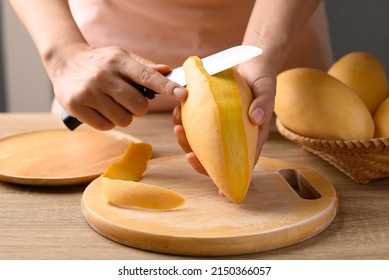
column 55, row 157
column 38, row 222
column 285, row 204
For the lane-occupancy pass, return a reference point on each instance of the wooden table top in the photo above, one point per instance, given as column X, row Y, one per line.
column 47, row 222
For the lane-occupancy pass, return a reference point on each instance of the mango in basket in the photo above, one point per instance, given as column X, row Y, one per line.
column 381, row 120
column 365, row 75
column 314, row 104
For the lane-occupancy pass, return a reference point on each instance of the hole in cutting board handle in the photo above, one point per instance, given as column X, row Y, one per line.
column 299, row 184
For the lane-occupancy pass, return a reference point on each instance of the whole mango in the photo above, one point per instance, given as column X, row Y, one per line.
column 364, row 74
column 381, row 120
column 314, row 104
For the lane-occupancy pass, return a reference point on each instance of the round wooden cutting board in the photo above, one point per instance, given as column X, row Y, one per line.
column 286, row 204
column 59, row 157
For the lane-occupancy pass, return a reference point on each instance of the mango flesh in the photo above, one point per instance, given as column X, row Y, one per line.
column 381, row 120
column 365, row 75
column 216, row 123
column 132, row 164
column 140, row 195
column 121, row 186
column 316, row 105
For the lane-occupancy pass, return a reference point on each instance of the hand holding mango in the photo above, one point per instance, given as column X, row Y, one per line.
column 212, row 100
column 218, row 129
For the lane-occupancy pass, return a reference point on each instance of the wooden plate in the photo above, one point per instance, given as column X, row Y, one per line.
column 286, row 204
column 59, row 157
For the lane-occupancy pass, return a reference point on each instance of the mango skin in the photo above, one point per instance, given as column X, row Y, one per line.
column 381, row 120
column 365, row 75
column 314, row 104
column 222, row 136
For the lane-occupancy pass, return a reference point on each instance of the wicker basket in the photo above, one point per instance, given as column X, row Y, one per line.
column 361, row 160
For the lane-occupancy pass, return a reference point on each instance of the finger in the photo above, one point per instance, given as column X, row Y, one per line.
column 85, row 111
column 179, row 132
column 260, row 113
column 152, row 79
column 104, row 104
column 176, row 116
column 262, row 136
column 127, row 96
column 161, row 68
column 262, row 106
column 108, row 83
column 221, row 194
column 113, row 111
column 195, row 163
column 261, row 77
column 93, row 118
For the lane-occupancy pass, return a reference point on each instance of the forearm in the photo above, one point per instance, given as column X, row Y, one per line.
column 275, row 24
column 50, row 24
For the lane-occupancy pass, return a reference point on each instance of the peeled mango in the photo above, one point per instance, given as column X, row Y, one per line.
column 121, row 184
column 365, row 75
column 217, row 126
column 381, row 120
column 314, row 104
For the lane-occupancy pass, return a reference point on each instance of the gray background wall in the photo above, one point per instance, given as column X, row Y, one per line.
column 2, row 88
column 360, row 25
column 355, row 25
column 26, row 84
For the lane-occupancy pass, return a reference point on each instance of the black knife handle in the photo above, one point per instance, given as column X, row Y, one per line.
column 148, row 93
column 72, row 123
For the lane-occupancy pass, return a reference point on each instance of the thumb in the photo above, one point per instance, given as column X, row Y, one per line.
column 261, row 109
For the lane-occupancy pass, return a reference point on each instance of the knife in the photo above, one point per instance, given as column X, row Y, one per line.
column 212, row 64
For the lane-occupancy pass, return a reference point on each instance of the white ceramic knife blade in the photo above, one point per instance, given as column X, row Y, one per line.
column 218, row 62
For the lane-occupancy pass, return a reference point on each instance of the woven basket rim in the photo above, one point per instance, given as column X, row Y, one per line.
column 361, row 160
column 369, row 144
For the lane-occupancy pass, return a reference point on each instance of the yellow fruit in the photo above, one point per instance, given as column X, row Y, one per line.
column 132, row 164
column 121, row 187
column 136, row 194
column 215, row 118
column 381, row 120
column 314, row 104
column 364, row 74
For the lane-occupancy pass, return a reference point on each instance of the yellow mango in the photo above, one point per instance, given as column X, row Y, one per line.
column 136, row 194
column 132, row 164
column 314, row 104
column 121, row 187
column 364, row 74
column 381, row 120
column 216, row 123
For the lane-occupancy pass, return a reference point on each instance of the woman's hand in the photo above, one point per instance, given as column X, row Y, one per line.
column 93, row 84
column 260, row 74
